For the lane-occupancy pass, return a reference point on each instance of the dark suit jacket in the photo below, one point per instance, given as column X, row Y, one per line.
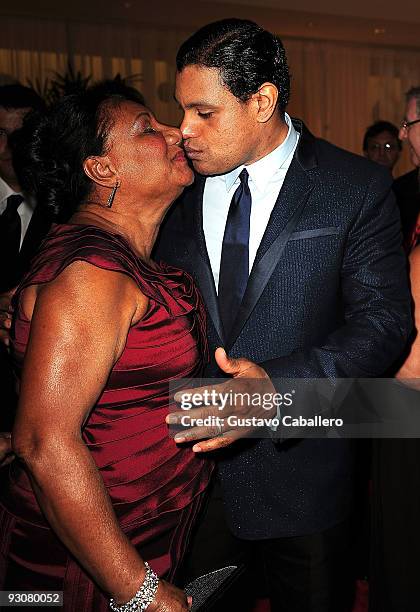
column 327, row 297
column 38, row 228
column 407, row 193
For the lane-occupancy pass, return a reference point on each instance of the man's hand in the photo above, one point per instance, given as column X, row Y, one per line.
column 6, row 313
column 6, row 455
column 247, row 378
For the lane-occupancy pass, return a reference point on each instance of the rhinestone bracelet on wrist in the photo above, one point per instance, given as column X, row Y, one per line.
column 144, row 596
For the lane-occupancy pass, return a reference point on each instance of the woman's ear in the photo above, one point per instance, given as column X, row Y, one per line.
column 100, row 171
column 266, row 98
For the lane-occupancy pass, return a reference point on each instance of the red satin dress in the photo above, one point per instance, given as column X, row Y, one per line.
column 155, row 486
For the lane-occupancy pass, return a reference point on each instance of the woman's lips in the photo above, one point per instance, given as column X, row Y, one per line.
column 180, row 157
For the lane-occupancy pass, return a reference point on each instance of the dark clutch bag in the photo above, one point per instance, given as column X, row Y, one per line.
column 207, row 589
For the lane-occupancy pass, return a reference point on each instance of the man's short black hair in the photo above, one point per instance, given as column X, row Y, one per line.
column 377, row 128
column 15, row 96
column 245, row 54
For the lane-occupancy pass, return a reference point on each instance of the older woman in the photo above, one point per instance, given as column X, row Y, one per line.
column 99, row 331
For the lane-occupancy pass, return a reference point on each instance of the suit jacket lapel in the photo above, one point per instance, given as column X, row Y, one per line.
column 289, row 206
column 197, row 249
column 38, row 228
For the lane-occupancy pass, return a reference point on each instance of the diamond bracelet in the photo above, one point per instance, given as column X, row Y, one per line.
column 144, row 596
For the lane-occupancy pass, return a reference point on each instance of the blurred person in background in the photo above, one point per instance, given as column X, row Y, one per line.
column 22, row 226
column 381, row 144
column 407, row 187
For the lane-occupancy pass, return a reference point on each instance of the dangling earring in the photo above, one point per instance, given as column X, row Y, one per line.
column 112, row 195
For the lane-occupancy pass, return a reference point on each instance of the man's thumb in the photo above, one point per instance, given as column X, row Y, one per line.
column 226, row 363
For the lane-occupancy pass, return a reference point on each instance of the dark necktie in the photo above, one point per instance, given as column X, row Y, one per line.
column 10, row 232
column 234, row 263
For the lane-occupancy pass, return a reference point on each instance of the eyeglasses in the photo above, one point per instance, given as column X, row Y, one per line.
column 374, row 147
column 407, row 124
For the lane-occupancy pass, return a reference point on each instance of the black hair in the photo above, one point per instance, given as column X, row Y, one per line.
column 50, row 165
column 245, row 54
column 377, row 128
column 17, row 96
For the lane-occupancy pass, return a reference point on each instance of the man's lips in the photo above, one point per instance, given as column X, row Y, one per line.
column 192, row 153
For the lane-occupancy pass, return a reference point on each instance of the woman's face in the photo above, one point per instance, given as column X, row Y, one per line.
column 147, row 155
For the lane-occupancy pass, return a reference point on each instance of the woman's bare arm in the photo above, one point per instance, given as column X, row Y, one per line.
column 79, row 328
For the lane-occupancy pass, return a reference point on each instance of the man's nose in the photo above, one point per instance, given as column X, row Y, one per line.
column 186, row 128
column 402, row 135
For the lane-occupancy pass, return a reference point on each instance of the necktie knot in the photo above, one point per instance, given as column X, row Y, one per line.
column 13, row 203
column 243, row 177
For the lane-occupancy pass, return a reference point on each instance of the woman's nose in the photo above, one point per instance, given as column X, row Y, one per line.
column 173, row 135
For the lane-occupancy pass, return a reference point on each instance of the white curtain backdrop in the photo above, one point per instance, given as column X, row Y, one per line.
column 338, row 89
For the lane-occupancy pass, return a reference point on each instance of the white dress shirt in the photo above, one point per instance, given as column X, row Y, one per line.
column 25, row 209
column 266, row 177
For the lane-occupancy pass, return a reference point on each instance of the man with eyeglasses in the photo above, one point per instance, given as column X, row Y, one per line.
column 407, row 187
column 381, row 144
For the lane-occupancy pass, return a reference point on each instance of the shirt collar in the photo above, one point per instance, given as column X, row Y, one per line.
column 262, row 170
column 6, row 191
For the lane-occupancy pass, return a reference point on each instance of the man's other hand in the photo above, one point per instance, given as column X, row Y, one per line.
column 6, row 454
column 6, row 313
column 248, row 380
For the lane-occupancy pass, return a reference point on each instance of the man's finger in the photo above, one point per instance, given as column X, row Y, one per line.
column 5, row 320
column 228, row 364
column 176, row 418
column 206, row 446
column 202, row 394
column 4, row 337
column 7, row 460
column 198, row 433
column 6, row 299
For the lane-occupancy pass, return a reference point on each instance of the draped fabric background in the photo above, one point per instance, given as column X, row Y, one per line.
column 338, row 88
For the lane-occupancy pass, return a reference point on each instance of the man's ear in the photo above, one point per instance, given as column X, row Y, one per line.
column 266, row 100
column 100, row 171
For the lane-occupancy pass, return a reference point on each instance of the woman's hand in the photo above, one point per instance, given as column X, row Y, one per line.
column 169, row 599
column 6, row 454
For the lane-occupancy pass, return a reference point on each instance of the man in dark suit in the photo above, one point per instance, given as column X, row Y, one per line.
column 22, row 224
column 407, row 186
column 296, row 248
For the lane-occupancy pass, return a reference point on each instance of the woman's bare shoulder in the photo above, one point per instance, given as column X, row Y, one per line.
column 82, row 283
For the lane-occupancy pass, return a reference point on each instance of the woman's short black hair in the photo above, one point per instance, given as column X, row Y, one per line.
column 245, row 54
column 49, row 151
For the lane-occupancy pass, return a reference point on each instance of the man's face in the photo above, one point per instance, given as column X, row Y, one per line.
column 10, row 120
column 412, row 133
column 220, row 132
column 383, row 149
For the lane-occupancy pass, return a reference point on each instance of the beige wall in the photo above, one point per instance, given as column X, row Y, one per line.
column 344, row 74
